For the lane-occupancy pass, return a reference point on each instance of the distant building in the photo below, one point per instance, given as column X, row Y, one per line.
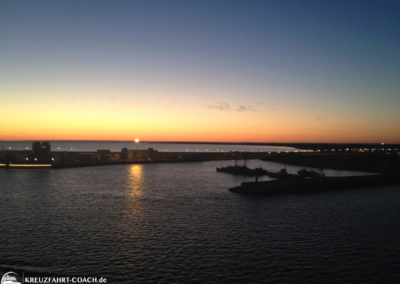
column 103, row 154
column 112, row 156
column 89, row 156
column 149, row 154
column 41, row 149
column 126, row 154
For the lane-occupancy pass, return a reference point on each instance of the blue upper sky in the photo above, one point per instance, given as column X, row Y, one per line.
column 321, row 59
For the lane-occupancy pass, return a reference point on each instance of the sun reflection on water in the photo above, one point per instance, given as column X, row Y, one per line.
column 136, row 180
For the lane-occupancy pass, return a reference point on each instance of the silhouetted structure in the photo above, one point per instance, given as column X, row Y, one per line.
column 149, row 154
column 41, row 149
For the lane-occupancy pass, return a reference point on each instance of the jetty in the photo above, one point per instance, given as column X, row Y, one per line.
column 298, row 186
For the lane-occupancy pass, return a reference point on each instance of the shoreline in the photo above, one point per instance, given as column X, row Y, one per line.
column 164, row 157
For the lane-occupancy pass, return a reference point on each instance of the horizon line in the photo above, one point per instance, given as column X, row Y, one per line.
column 198, row 142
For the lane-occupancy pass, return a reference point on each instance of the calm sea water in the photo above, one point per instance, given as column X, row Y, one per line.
column 162, row 147
column 178, row 223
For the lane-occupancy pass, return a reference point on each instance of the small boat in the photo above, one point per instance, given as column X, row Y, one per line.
column 309, row 173
column 242, row 170
column 283, row 174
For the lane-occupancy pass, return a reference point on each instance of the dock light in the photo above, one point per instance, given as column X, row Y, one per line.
column 35, row 159
column 383, row 143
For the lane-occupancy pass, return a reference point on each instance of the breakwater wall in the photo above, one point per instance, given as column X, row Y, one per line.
column 314, row 184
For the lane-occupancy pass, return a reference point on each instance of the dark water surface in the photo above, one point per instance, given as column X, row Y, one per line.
column 178, row 223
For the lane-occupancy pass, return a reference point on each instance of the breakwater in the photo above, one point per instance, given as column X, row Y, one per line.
column 314, row 184
column 18, row 159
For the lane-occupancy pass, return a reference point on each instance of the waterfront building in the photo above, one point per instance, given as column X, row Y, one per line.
column 41, row 149
column 149, row 154
column 90, row 156
column 112, row 156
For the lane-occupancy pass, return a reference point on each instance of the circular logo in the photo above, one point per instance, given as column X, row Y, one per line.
column 10, row 278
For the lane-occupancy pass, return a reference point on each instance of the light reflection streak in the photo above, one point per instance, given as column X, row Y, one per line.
column 136, row 180
column 136, row 203
column 28, row 165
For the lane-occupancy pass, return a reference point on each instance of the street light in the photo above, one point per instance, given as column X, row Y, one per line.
column 136, row 142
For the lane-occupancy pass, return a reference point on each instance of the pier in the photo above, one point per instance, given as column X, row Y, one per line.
column 322, row 184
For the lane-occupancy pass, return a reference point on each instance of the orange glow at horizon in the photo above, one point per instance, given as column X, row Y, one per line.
column 158, row 123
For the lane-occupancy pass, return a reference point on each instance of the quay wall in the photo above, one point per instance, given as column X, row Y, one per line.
column 314, row 184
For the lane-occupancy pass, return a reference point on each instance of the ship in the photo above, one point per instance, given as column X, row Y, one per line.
column 283, row 174
column 309, row 173
column 243, row 170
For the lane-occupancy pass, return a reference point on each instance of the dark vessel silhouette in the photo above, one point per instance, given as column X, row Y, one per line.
column 243, row 170
column 283, row 174
column 309, row 173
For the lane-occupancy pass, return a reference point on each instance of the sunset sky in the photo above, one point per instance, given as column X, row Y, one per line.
column 223, row 71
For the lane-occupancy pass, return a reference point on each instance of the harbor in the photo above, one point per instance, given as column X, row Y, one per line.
column 301, row 181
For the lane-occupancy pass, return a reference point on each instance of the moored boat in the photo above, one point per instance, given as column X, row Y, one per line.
column 283, row 174
column 310, row 173
column 242, row 170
